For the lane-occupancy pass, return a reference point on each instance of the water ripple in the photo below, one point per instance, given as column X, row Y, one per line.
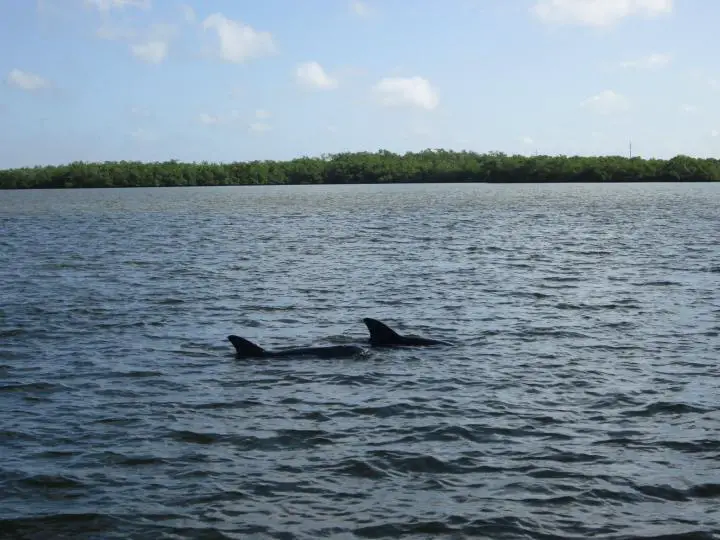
column 580, row 400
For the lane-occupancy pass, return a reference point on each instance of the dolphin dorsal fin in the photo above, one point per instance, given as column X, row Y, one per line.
column 246, row 348
column 380, row 333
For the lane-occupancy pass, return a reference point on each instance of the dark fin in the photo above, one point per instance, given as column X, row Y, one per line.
column 245, row 348
column 381, row 334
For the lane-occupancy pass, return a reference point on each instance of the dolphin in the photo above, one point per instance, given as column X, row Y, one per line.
column 248, row 349
column 381, row 335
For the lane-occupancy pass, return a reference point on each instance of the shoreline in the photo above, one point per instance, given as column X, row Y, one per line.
column 426, row 167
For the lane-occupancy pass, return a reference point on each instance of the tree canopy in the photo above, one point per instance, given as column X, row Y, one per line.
column 367, row 168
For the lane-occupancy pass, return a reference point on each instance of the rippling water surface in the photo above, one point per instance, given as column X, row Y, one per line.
column 581, row 398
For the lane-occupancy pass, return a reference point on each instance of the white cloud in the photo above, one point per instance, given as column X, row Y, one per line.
column 27, row 81
column 653, row 61
column 107, row 5
column 188, row 13
column 139, row 111
column 259, row 127
column 262, row 113
column 112, row 33
column 216, row 119
column 714, row 84
column 151, row 46
column 152, row 52
column 597, row 12
column 607, row 102
column 239, row 42
column 687, row 108
column 528, row 140
column 312, row 75
column 406, row 91
column 715, row 133
column 209, row 119
column 360, row 8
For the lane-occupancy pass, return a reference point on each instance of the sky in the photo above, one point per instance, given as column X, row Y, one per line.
column 240, row 80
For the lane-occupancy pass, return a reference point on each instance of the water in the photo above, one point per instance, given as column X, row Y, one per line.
column 582, row 397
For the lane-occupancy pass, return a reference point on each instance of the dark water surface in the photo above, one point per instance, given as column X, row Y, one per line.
column 582, row 398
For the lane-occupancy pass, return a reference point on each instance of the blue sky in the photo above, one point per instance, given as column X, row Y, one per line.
column 235, row 80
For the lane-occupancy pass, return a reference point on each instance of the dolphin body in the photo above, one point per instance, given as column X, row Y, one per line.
column 381, row 335
column 247, row 349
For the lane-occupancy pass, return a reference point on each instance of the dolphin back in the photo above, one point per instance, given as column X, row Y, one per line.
column 246, row 348
column 382, row 334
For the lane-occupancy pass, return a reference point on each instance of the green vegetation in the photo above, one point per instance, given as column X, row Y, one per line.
column 368, row 168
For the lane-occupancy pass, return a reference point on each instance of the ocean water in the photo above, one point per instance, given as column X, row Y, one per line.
column 580, row 398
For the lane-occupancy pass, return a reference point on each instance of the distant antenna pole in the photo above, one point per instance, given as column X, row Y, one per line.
column 630, row 148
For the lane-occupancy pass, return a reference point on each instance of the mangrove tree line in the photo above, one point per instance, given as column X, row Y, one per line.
column 367, row 167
